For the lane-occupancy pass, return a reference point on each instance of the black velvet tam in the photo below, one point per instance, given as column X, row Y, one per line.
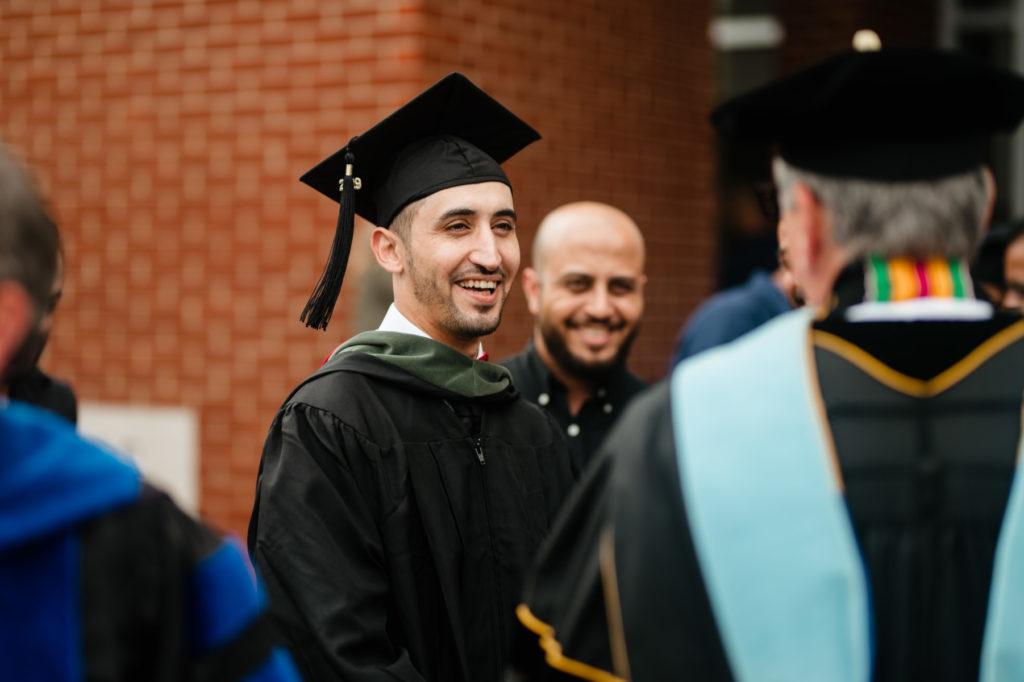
column 890, row 115
column 451, row 134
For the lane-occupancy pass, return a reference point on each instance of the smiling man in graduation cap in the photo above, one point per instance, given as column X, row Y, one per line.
column 405, row 485
column 834, row 496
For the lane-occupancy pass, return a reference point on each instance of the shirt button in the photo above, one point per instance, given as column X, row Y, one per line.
column 607, row 408
column 601, row 393
column 543, row 399
column 573, row 430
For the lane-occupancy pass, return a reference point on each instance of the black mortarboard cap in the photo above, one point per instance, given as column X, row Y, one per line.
column 451, row 134
column 889, row 115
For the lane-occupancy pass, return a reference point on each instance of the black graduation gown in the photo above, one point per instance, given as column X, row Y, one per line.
column 394, row 520
column 141, row 602
column 927, row 480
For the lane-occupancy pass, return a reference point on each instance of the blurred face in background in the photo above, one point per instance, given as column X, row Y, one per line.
column 1013, row 265
column 585, row 290
column 27, row 356
column 784, row 277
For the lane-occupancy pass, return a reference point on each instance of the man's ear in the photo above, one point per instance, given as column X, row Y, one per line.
column 808, row 225
column 814, row 257
column 15, row 319
column 990, row 207
column 531, row 288
column 389, row 250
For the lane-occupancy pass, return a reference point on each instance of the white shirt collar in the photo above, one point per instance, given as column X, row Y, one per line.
column 920, row 309
column 395, row 321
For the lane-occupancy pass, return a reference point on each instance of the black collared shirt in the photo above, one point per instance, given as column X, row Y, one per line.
column 586, row 430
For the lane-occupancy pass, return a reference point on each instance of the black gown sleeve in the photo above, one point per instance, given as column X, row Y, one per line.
column 616, row 592
column 667, row 626
column 562, row 633
column 314, row 537
column 166, row 599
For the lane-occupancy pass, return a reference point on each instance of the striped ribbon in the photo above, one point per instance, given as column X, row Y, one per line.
column 902, row 279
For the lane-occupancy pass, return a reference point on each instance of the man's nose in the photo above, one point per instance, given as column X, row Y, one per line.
column 485, row 252
column 599, row 303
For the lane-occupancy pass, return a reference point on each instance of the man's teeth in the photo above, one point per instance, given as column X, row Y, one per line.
column 479, row 284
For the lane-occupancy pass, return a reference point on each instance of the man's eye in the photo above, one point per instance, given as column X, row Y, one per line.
column 504, row 227
column 621, row 288
column 577, row 285
column 457, row 227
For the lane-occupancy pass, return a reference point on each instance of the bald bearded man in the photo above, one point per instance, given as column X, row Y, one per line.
column 585, row 291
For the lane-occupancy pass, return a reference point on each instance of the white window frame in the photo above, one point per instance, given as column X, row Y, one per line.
column 953, row 19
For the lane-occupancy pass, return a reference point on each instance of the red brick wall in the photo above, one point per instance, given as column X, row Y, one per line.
column 621, row 94
column 170, row 134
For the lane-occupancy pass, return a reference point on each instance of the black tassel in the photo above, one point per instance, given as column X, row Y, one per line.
column 317, row 313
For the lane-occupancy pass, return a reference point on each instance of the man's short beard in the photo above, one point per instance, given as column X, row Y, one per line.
column 589, row 372
column 463, row 327
column 467, row 329
column 426, row 292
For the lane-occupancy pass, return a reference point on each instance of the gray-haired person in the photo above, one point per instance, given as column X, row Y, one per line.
column 833, row 496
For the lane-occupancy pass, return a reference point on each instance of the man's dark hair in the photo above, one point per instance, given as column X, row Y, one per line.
column 29, row 240
column 402, row 223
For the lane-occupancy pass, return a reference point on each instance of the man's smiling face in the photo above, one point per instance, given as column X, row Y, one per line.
column 586, row 290
column 461, row 256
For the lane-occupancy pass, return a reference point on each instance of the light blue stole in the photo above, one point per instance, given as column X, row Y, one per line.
column 776, row 548
column 1002, row 652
